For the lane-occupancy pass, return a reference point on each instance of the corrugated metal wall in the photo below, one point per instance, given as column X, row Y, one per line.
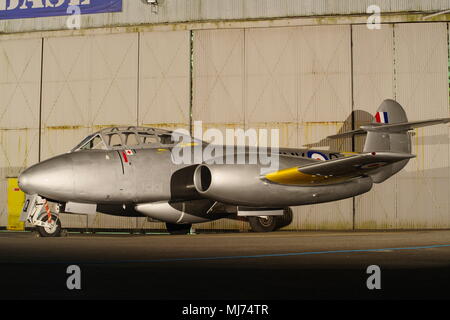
column 406, row 62
column 305, row 81
column 373, row 81
column 20, row 73
column 135, row 12
column 218, row 88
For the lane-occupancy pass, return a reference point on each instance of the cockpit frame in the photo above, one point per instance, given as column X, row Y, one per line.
column 132, row 137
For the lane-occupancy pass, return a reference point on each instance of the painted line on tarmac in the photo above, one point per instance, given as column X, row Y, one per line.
column 235, row 257
column 277, row 254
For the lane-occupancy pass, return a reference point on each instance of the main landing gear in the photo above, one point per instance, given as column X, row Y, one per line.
column 270, row 223
column 174, row 228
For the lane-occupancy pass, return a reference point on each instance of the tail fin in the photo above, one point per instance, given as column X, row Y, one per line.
column 389, row 112
column 388, row 132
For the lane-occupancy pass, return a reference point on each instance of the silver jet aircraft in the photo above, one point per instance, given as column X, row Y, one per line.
column 131, row 172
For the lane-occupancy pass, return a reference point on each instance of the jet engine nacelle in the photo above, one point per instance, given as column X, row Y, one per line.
column 242, row 185
column 238, row 184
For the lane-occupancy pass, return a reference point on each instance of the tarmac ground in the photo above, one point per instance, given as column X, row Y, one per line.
column 281, row 265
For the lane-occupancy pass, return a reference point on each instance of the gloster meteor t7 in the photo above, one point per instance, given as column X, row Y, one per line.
column 131, row 172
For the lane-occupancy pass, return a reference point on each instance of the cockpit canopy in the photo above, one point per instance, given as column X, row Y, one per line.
column 131, row 138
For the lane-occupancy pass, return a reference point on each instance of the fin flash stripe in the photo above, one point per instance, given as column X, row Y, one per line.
column 382, row 117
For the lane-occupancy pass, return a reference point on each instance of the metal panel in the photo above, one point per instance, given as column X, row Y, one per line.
column 20, row 62
column 218, row 79
column 218, row 76
column 299, row 81
column 324, row 105
column 421, row 59
column 88, row 83
column 164, row 79
column 218, row 88
column 272, row 81
column 289, row 77
column 373, row 81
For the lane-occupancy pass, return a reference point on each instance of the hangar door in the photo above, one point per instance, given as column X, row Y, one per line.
column 20, row 74
column 408, row 63
column 294, row 79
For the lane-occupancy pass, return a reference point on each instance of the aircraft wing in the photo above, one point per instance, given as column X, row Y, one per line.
column 337, row 170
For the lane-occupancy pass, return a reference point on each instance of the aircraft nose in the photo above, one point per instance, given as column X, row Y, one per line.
column 24, row 182
column 50, row 178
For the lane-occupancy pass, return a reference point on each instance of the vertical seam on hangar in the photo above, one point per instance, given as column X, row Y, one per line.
column 394, row 93
column 394, row 60
column 448, row 82
column 138, row 76
column 191, row 75
column 244, row 78
column 352, row 116
column 40, row 101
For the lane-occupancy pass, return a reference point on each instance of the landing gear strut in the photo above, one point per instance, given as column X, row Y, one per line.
column 38, row 214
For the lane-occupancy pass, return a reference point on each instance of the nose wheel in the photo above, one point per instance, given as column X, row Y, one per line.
column 50, row 228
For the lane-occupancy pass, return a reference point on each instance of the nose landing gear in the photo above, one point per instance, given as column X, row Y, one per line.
column 47, row 223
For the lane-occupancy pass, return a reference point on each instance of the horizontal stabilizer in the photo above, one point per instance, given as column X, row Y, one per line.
column 338, row 170
column 391, row 128
column 405, row 126
column 347, row 134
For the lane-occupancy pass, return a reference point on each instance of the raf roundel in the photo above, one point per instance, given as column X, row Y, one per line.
column 317, row 155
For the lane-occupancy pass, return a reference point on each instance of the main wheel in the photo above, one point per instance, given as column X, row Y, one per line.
column 51, row 231
column 263, row 224
column 285, row 219
column 174, row 228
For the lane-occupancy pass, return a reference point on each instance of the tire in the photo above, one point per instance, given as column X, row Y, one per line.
column 260, row 224
column 285, row 219
column 45, row 232
column 174, row 228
